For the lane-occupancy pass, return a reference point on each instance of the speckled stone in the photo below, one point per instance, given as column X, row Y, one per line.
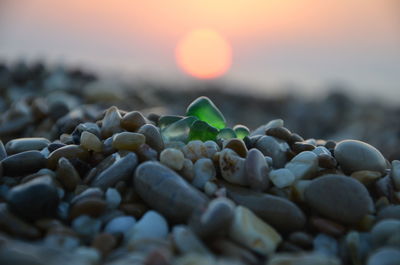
column 232, row 167
column 339, row 197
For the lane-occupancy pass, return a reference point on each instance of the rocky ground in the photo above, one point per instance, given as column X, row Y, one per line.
column 94, row 171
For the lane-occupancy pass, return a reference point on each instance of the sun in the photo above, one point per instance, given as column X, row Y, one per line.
column 204, row 53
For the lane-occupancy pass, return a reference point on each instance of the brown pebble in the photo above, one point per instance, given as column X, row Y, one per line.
column 132, row 121
column 366, row 177
column 236, row 145
column 67, row 174
column 134, row 209
column 279, row 132
column 330, row 144
column 299, row 147
column 89, row 206
column 295, row 138
column 105, row 243
column 326, row 161
column 327, row 226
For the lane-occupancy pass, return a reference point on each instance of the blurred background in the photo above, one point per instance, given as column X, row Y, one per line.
column 330, row 68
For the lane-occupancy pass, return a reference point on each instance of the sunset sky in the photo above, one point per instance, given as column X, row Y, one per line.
column 274, row 43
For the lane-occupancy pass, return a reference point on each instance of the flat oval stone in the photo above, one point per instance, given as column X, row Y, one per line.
column 26, row 144
column 167, row 192
column 354, row 155
column 34, row 199
column 122, row 169
column 340, row 198
column 281, row 213
column 257, row 170
column 23, row 163
column 128, row 141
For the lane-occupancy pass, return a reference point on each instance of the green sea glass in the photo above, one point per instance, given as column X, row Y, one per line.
column 179, row 130
column 202, row 131
column 166, row 120
column 205, row 110
column 241, row 131
column 226, row 134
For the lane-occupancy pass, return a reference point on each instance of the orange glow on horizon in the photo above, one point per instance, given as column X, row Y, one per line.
column 204, row 53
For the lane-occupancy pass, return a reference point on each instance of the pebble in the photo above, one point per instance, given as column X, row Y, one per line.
column 172, row 158
column 120, row 225
column 385, row 256
column 215, row 219
column 104, row 243
column 232, row 167
column 386, row 233
column 263, row 128
column 236, row 145
column 353, row 155
column 111, row 122
column 132, row 121
column 91, row 142
column 339, row 197
column 187, row 170
column 366, row 177
column 34, row 199
column 3, row 152
column 395, row 174
column 151, row 226
column 89, row 127
column 274, row 148
column 252, row 232
column 257, row 170
column 13, row 225
column 121, row 169
column 389, row 212
column 303, row 259
column 86, row 226
column 281, row 213
column 282, row 177
column 204, row 171
column 326, row 245
column 327, row 226
column 128, row 141
column 93, row 207
column 304, row 165
column 301, row 239
column 175, row 198
column 279, row 132
column 113, row 198
column 69, row 152
column 67, row 174
column 187, row 242
column 327, row 161
column 196, row 149
column 26, row 144
column 153, row 136
column 23, row 163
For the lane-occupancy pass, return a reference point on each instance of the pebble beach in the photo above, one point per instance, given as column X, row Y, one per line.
column 96, row 171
